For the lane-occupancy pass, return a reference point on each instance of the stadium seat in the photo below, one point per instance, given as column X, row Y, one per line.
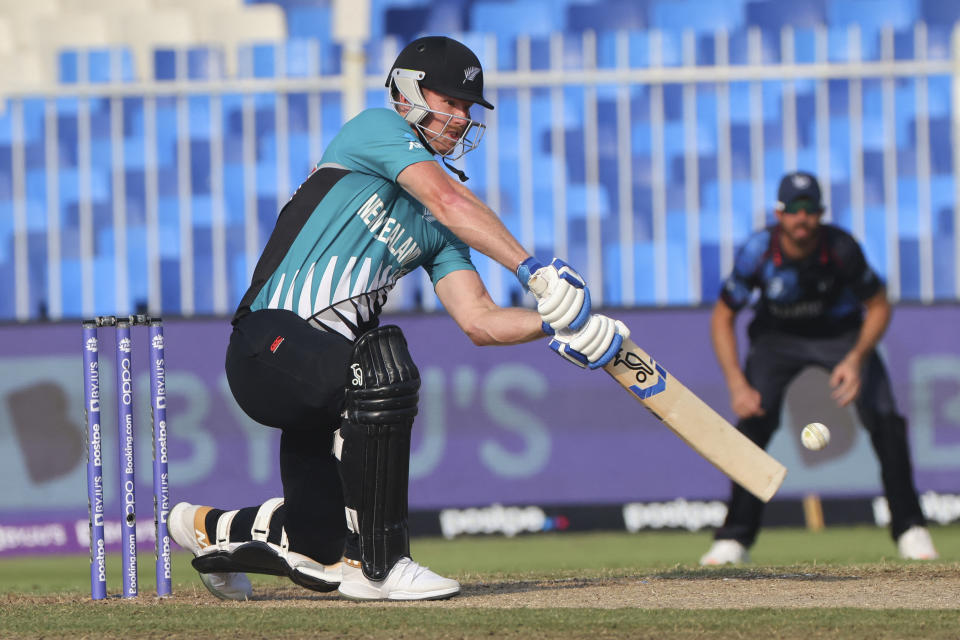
column 873, row 15
column 310, row 22
column 47, row 36
column 773, row 15
column 229, row 29
column 909, row 248
column 611, row 15
column 406, row 23
column 447, row 17
column 939, row 12
column 511, row 19
column 702, row 16
column 941, row 148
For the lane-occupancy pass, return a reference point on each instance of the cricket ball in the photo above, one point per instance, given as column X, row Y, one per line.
column 815, row 436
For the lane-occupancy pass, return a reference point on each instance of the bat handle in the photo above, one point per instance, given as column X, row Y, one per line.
column 537, row 285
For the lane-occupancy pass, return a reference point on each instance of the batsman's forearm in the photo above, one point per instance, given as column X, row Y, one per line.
column 486, row 234
column 460, row 211
column 476, row 224
column 505, row 326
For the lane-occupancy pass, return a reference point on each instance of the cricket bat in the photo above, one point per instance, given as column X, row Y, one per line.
column 695, row 422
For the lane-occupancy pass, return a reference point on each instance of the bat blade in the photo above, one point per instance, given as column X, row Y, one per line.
column 697, row 424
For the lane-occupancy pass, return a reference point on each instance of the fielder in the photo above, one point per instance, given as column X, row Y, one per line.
column 307, row 356
column 820, row 304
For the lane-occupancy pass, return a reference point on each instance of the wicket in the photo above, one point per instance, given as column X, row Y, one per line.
column 95, row 485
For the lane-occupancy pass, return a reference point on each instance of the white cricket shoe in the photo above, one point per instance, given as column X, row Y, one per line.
column 407, row 580
column 915, row 544
column 226, row 586
column 725, row 552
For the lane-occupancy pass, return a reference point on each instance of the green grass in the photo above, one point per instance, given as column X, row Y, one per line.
column 45, row 596
column 181, row 621
column 549, row 555
column 560, row 553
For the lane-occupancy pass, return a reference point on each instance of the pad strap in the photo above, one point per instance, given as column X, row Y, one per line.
column 261, row 522
column 223, row 529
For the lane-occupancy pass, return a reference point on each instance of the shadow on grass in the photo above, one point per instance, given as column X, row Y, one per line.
column 750, row 573
column 484, row 589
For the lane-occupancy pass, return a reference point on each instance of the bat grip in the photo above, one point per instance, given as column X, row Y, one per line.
column 537, row 285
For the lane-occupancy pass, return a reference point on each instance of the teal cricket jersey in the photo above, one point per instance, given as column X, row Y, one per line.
column 350, row 232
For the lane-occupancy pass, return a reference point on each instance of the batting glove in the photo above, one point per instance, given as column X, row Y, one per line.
column 593, row 346
column 563, row 299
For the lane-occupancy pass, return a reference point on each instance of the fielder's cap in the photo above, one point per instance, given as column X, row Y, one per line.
column 449, row 67
column 796, row 185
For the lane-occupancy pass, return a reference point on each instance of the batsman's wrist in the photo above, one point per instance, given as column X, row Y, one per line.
column 526, row 269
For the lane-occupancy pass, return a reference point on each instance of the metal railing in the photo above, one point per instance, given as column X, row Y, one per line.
column 571, row 91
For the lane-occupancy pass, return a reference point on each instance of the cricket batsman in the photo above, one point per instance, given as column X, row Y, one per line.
column 307, row 355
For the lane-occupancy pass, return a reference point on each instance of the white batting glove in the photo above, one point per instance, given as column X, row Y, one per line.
column 594, row 345
column 563, row 299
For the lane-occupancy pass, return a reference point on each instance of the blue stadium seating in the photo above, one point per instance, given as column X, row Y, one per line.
column 608, row 16
column 508, row 20
column 773, row 16
column 699, row 15
column 939, row 12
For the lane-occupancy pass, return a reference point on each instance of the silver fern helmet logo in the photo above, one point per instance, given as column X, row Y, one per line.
column 470, row 73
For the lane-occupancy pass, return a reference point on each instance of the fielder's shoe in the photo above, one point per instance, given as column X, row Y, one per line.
column 725, row 552
column 407, row 580
column 915, row 544
column 183, row 529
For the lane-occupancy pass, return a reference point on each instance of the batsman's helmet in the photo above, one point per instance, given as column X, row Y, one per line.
column 443, row 65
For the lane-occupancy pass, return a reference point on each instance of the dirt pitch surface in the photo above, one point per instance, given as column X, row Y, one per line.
column 894, row 586
column 880, row 588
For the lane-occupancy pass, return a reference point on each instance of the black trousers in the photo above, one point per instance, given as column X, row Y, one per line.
column 286, row 374
column 773, row 361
